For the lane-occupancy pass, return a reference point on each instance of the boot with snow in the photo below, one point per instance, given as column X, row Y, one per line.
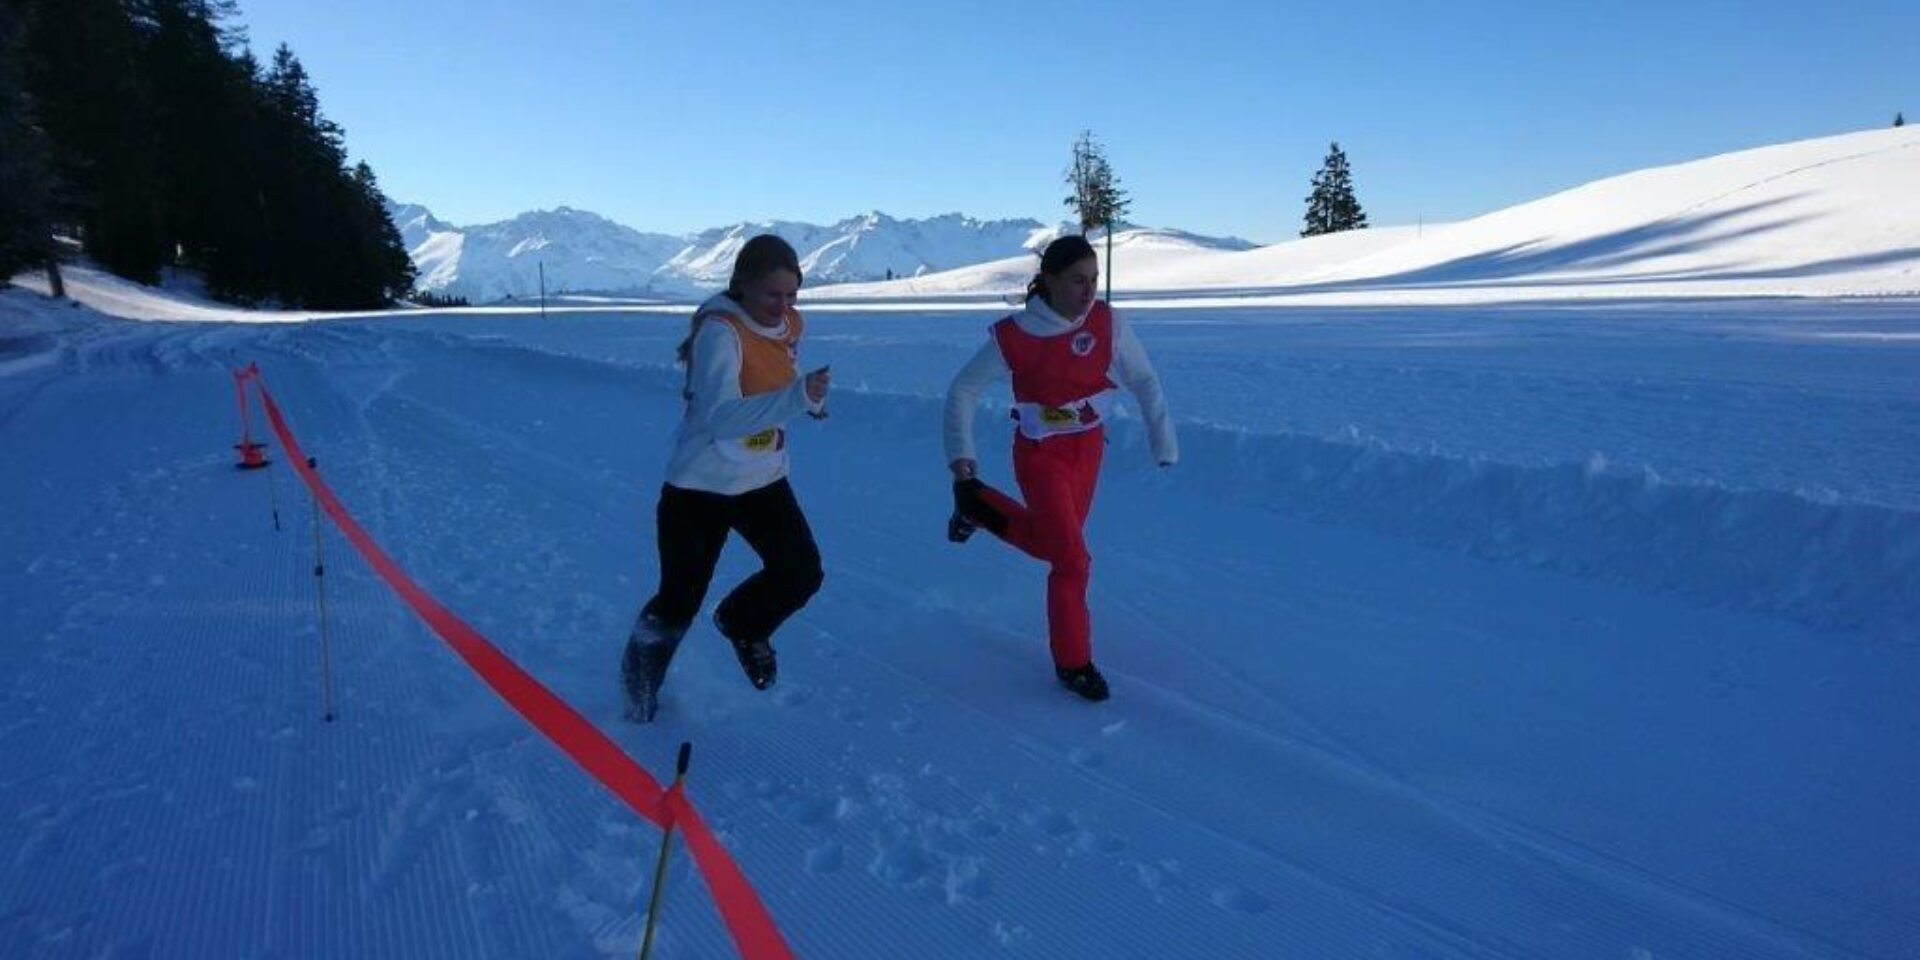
column 643, row 668
column 756, row 656
column 1085, row 681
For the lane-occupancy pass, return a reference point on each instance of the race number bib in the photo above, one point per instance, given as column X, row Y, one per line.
column 1059, row 417
column 755, row 448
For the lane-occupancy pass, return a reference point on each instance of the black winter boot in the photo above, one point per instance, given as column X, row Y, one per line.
column 756, row 656
column 1085, row 681
column 643, row 667
column 970, row 512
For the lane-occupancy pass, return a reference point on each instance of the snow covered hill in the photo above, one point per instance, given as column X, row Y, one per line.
column 1147, row 260
column 1831, row 216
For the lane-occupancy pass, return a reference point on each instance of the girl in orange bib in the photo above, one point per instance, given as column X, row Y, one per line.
column 1066, row 354
column 728, row 473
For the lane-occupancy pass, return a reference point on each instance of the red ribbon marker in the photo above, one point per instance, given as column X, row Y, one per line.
column 746, row 918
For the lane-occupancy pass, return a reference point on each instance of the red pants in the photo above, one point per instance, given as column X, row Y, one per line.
column 1057, row 476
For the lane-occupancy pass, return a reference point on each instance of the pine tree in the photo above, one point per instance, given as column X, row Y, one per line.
column 1899, row 119
column 26, row 173
column 1097, row 199
column 83, row 71
column 169, row 144
column 306, row 210
column 381, row 271
column 1332, row 207
column 202, row 96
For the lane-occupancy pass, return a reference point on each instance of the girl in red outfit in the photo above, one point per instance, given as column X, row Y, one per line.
column 1066, row 355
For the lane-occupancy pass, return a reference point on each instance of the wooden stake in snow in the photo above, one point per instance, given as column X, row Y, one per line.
column 666, row 846
column 320, row 588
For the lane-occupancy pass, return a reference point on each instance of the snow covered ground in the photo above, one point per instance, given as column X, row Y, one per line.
column 1529, row 630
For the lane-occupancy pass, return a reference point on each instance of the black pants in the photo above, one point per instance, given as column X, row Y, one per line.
column 693, row 527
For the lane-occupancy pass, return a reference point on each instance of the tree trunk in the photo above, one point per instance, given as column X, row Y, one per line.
column 1109, row 263
column 55, row 285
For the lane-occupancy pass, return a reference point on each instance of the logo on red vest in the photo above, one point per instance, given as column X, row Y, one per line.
column 1083, row 343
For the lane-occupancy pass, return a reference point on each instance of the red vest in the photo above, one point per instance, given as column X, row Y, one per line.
column 1060, row 370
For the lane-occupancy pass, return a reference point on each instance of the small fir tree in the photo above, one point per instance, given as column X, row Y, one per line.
column 1332, row 207
column 1097, row 199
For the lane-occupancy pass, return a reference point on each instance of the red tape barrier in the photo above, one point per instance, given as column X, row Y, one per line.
column 746, row 917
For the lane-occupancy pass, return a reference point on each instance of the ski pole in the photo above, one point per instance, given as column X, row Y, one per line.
column 320, row 587
column 666, row 846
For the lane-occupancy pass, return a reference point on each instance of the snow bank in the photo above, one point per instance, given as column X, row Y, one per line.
column 1841, row 565
column 32, row 328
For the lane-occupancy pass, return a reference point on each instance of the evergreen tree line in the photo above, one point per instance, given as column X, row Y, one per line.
column 427, row 298
column 148, row 130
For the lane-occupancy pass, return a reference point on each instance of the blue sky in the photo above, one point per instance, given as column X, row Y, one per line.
column 673, row 117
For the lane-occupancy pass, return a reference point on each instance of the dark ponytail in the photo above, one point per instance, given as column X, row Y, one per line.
column 1062, row 253
column 759, row 256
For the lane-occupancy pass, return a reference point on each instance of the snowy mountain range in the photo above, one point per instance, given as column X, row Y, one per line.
column 584, row 252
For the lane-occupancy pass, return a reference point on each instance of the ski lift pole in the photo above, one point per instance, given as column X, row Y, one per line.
column 320, row 588
column 666, row 846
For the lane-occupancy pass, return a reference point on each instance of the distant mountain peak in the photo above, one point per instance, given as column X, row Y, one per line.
column 580, row 251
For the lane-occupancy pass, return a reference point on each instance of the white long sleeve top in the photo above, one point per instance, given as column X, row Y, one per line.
column 717, row 412
column 1130, row 369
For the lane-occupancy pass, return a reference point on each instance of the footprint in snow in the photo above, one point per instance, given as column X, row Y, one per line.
column 1239, row 900
column 825, row 858
column 1051, row 822
column 966, row 881
column 1158, row 877
column 901, row 861
column 807, row 811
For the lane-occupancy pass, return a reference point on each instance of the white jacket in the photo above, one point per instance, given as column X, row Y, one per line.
column 718, row 412
column 1130, row 369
